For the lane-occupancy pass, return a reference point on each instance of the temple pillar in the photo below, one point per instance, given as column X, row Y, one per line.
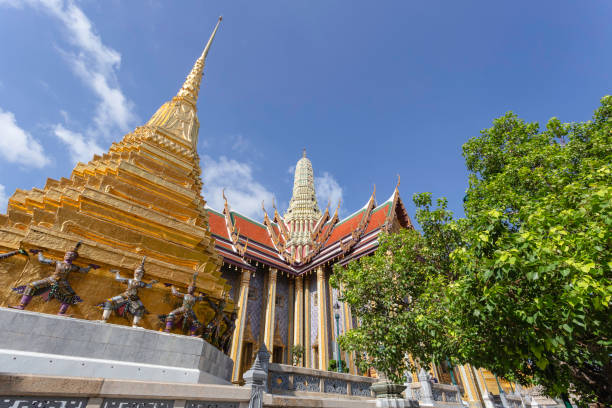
column 307, row 323
column 241, row 319
column 468, row 386
column 270, row 309
column 288, row 358
column 323, row 319
column 348, row 325
column 482, row 387
column 298, row 314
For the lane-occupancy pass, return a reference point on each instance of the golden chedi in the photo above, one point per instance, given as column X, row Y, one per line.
column 142, row 198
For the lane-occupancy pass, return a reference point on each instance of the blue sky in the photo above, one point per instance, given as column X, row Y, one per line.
column 370, row 89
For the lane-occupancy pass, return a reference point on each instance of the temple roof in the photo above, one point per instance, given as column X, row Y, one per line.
column 243, row 241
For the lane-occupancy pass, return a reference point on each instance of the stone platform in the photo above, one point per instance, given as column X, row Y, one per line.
column 43, row 344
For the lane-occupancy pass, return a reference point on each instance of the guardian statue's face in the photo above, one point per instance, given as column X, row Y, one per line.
column 70, row 256
column 139, row 273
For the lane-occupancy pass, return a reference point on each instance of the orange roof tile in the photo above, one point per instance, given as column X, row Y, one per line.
column 251, row 229
column 216, row 223
column 378, row 217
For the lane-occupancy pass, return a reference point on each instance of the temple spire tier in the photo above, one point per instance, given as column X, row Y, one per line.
column 303, row 213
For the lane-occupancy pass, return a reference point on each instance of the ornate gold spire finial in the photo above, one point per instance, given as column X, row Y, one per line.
column 191, row 87
column 304, row 152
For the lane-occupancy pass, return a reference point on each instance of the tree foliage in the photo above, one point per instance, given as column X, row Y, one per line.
column 397, row 294
column 522, row 285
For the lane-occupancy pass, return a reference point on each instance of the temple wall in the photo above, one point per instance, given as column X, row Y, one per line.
column 282, row 310
column 232, row 276
column 256, row 305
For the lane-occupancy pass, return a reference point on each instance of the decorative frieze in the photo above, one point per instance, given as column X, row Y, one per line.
column 211, row 404
column 42, row 402
column 306, row 383
column 136, row 403
column 361, row 389
column 333, row 385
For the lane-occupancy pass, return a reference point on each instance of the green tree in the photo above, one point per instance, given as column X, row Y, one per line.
column 397, row 294
column 521, row 285
column 533, row 294
column 297, row 353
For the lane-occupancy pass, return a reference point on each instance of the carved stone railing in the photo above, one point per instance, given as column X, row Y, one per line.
column 290, row 380
column 445, row 393
column 514, row 401
column 430, row 393
column 29, row 391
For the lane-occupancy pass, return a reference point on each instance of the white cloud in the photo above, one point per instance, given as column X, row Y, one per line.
column 3, row 199
column 80, row 149
column 92, row 61
column 17, row 145
column 327, row 189
column 241, row 144
column 243, row 192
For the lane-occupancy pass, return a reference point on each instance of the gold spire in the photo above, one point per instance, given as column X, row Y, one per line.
column 191, row 87
column 178, row 117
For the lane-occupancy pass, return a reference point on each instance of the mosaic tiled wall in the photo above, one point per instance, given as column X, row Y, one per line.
column 233, row 279
column 282, row 308
column 256, row 306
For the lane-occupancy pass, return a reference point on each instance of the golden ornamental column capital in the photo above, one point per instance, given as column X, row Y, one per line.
column 299, row 282
column 246, row 277
column 273, row 274
column 320, row 273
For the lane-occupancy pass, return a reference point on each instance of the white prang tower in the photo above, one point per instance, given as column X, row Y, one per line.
column 303, row 212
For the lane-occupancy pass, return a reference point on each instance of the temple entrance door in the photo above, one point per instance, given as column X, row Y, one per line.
column 277, row 355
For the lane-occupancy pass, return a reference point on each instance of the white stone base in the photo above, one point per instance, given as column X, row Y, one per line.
column 43, row 344
column 395, row 403
column 19, row 362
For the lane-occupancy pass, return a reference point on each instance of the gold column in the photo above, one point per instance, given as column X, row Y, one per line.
column 287, row 359
column 298, row 315
column 270, row 309
column 468, row 386
column 323, row 318
column 236, row 350
column 348, row 325
column 482, row 388
column 307, row 340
